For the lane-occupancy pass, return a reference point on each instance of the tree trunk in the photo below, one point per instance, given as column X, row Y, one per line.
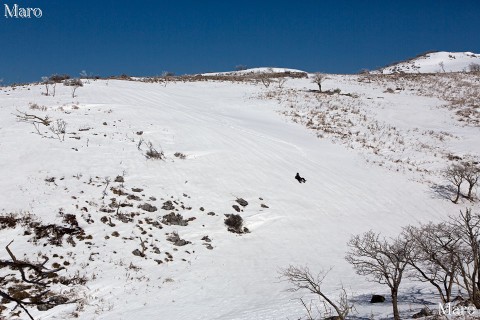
column 458, row 194
column 319, row 87
column 470, row 187
column 396, row 314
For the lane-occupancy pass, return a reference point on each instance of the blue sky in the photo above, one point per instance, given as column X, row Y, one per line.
column 147, row 37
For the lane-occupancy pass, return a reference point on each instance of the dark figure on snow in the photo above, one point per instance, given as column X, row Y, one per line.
column 300, row 179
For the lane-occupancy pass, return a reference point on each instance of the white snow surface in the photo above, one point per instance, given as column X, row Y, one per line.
column 255, row 70
column 436, row 62
column 237, row 144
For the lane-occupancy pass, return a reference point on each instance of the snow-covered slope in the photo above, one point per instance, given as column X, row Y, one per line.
column 436, row 62
column 255, row 71
column 370, row 164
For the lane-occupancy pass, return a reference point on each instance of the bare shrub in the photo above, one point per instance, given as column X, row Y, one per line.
column 152, row 153
column 57, row 78
column 35, row 120
column 281, row 82
column 59, row 128
column 265, row 79
column 234, row 222
column 474, row 67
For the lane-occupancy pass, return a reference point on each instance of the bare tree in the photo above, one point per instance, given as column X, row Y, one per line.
column 35, row 120
column 442, row 65
column 434, row 256
column 380, row 261
column 46, row 81
column 54, row 86
column 167, row 77
column 467, row 227
column 302, row 279
column 265, row 79
column 29, row 284
column 471, row 174
column 74, row 83
column 318, row 78
column 281, row 82
column 84, row 75
column 455, row 175
column 240, row 67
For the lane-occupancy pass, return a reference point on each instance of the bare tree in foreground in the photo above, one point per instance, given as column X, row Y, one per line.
column 435, row 256
column 380, row 261
column 302, row 279
column 467, row 229
column 28, row 284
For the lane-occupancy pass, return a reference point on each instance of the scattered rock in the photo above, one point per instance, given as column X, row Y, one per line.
column 202, row 209
column 138, row 253
column 50, row 180
column 211, row 213
column 242, row 202
column 168, row 205
column 264, row 206
column 133, row 197
column 148, row 207
column 175, row 239
column 234, row 223
column 152, row 199
column 118, row 191
column 425, row 312
column 376, row 298
column 206, row 239
column 237, row 208
column 137, row 190
column 174, row 219
column 119, row 179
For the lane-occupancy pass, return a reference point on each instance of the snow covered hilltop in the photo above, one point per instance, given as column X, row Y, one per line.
column 175, row 197
column 436, row 62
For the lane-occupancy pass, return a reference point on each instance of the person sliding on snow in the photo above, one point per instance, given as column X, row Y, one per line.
column 300, row 179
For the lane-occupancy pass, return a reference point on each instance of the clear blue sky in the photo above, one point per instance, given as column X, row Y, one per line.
column 107, row 37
